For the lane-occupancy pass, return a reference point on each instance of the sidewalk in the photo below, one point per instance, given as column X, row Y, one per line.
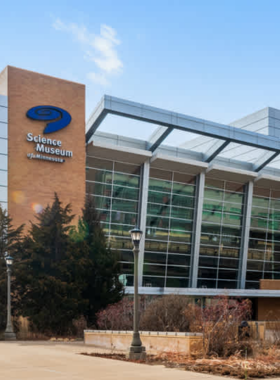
column 61, row 361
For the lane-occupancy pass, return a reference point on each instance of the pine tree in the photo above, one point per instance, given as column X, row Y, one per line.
column 10, row 244
column 102, row 285
column 50, row 294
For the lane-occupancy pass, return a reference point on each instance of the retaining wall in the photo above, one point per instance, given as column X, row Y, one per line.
column 155, row 342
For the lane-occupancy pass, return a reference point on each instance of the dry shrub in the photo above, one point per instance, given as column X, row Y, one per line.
column 119, row 316
column 166, row 314
column 218, row 322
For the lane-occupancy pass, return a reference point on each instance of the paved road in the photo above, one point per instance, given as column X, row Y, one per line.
column 61, row 361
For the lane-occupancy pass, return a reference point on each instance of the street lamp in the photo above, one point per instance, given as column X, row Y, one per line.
column 136, row 350
column 9, row 332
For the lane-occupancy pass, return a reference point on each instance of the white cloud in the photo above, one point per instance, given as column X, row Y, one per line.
column 100, row 49
column 98, row 78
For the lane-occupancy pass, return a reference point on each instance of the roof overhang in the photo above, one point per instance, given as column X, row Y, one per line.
column 268, row 181
column 118, row 153
column 161, row 161
column 230, row 174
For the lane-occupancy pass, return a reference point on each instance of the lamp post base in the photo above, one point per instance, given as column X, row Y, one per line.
column 136, row 353
column 8, row 335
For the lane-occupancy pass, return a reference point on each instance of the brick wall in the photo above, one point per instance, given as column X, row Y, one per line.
column 32, row 183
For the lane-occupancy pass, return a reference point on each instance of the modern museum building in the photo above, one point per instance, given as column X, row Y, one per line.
column 209, row 208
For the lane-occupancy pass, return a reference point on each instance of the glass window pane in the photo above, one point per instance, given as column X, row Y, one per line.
column 230, row 241
column 98, row 188
column 229, row 252
column 157, row 197
column 155, row 246
column 122, row 205
column 183, row 213
column 119, row 243
column 179, row 248
column 178, row 200
column 210, row 239
column 156, row 209
column 227, row 284
column 153, row 281
column 157, row 221
column 3, row 146
column 157, row 258
column 212, row 217
column 3, row 178
column 233, row 230
column 180, row 236
column 177, row 271
column 97, row 163
column 212, row 206
column 156, row 234
column 178, row 224
column 183, row 178
column 126, row 268
column 178, row 259
column 207, row 273
column 177, row 282
column 228, row 274
column 233, row 208
column 252, row 285
column 208, row 250
column 228, row 263
column 232, row 219
column 159, row 185
column 126, row 180
column 254, row 276
column 126, row 168
column 157, row 270
column 259, row 223
column 260, row 202
column 3, row 162
column 102, row 202
column 160, row 174
column 214, row 183
column 125, row 192
column 275, row 204
column 124, row 218
column 4, row 130
column 213, row 229
column 255, row 265
column 182, row 189
column 233, row 197
column 206, row 284
column 216, row 195
column 121, row 230
column 99, row 175
column 259, row 212
column 126, row 256
column 208, row 262
column 255, row 255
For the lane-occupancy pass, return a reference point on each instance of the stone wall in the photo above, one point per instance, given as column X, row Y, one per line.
column 155, row 342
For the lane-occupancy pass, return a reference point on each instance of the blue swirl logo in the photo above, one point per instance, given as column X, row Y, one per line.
column 59, row 117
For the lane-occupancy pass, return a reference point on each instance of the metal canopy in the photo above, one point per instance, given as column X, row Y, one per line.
column 170, row 121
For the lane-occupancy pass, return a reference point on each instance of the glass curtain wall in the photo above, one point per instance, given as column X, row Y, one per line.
column 115, row 188
column 220, row 234
column 169, row 227
column 264, row 244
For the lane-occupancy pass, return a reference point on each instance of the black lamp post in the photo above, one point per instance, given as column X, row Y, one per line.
column 9, row 332
column 136, row 350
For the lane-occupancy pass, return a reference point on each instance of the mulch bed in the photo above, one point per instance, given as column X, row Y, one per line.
column 234, row 366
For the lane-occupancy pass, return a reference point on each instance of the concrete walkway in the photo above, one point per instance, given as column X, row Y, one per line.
column 61, row 361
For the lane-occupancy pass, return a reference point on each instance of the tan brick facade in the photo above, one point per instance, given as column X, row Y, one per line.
column 32, row 183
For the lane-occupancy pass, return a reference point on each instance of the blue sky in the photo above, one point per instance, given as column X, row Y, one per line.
column 218, row 60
